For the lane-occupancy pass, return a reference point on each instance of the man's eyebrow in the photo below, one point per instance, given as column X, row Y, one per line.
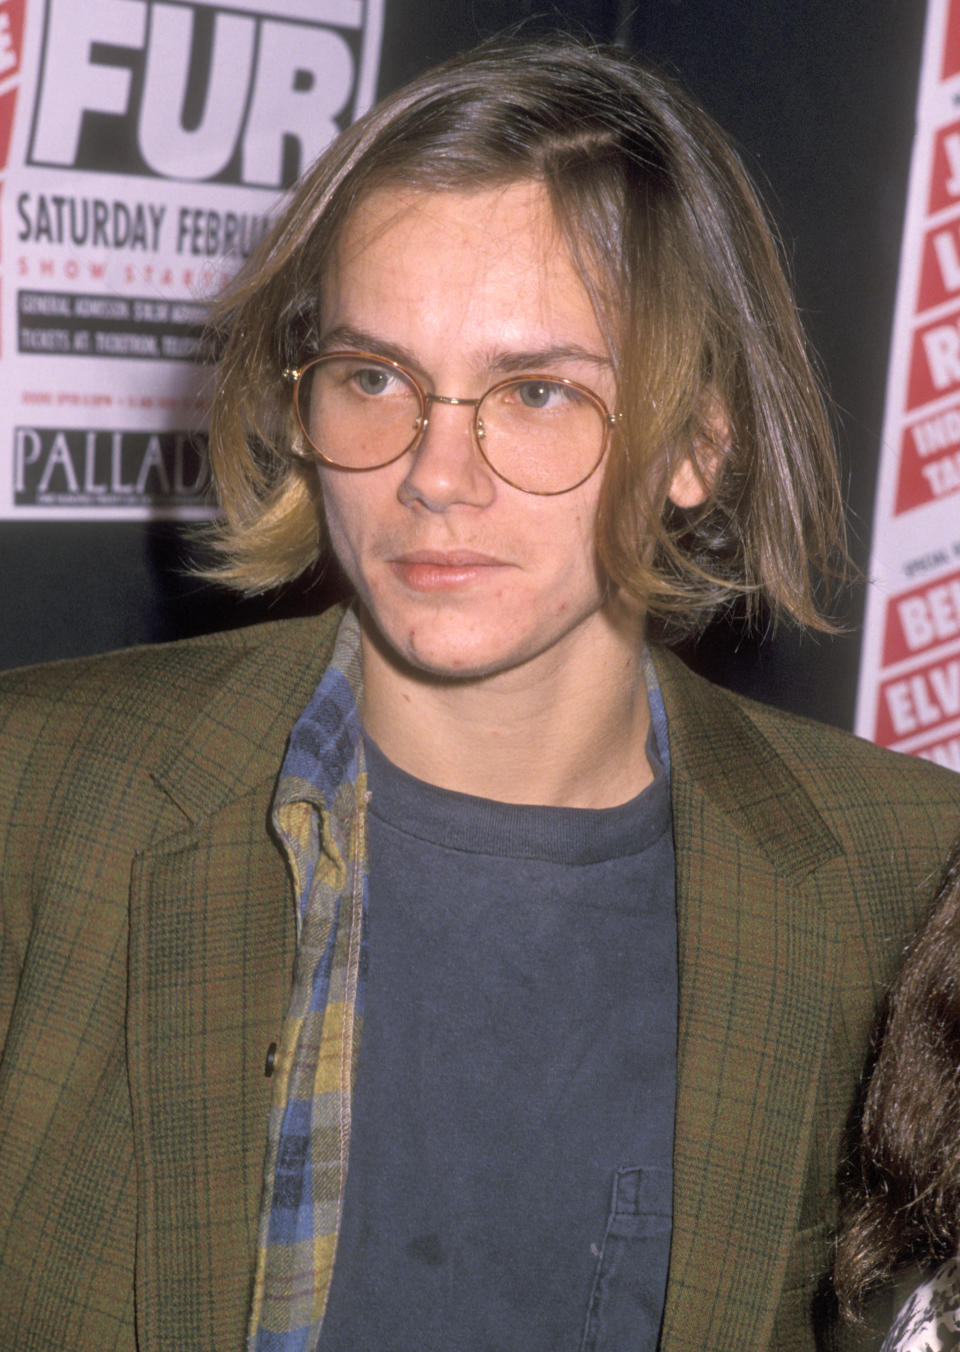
column 542, row 358
column 356, row 340
column 507, row 362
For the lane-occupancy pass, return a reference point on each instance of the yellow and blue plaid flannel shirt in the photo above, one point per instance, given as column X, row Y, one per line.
column 319, row 816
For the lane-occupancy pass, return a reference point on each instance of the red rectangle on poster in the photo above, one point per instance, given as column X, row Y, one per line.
column 921, row 700
column 945, row 179
column 940, row 271
column 934, row 361
column 11, row 38
column 922, row 618
column 929, row 464
column 951, row 42
column 8, row 103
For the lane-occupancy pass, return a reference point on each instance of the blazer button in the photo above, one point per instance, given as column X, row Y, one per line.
column 271, row 1060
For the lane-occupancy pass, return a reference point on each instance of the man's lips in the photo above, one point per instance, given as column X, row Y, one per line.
column 440, row 569
column 450, row 558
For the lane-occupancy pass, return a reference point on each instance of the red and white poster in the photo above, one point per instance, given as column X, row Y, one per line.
column 909, row 695
column 144, row 145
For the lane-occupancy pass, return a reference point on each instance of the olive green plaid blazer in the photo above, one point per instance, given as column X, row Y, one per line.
column 147, row 943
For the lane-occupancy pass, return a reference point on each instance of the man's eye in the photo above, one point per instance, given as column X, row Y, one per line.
column 536, row 393
column 371, row 380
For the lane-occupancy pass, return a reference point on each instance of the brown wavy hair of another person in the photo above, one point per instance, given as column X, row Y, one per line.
column 906, row 1201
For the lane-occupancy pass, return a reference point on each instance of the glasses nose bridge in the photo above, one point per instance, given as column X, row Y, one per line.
column 450, row 400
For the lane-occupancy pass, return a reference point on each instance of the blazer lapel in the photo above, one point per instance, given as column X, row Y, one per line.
column 211, row 952
column 758, row 960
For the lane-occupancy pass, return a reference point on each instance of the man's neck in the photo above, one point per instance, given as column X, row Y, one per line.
column 556, row 732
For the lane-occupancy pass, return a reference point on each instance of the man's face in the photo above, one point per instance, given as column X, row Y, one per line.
column 461, row 573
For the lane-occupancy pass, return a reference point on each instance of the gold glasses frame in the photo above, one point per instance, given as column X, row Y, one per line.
column 294, row 375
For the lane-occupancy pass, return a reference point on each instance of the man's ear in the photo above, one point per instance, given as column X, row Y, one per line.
column 696, row 475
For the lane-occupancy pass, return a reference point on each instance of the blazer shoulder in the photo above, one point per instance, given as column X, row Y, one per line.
column 140, row 693
column 832, row 763
column 79, row 733
column 814, row 800
column 197, row 659
column 841, row 763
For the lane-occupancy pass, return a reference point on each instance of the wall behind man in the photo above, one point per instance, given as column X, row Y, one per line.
column 820, row 99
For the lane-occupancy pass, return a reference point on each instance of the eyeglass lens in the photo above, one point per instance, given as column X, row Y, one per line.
column 541, row 435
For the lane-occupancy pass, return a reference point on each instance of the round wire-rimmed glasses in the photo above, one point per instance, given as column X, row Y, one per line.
column 541, row 434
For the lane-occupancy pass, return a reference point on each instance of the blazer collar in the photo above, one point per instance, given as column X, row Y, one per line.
column 758, row 960
column 264, row 677
column 715, row 746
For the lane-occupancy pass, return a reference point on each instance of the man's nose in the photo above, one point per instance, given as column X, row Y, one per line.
column 445, row 468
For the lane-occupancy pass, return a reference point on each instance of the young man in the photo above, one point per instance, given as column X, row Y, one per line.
column 561, row 963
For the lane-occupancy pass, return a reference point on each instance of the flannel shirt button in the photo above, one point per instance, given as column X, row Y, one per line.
column 271, row 1060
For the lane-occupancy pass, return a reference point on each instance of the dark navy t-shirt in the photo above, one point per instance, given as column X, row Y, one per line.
column 510, row 1161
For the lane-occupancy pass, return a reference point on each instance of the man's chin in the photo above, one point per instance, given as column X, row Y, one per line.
column 426, row 655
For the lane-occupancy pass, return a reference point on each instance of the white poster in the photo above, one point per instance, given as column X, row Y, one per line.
column 144, row 146
column 909, row 696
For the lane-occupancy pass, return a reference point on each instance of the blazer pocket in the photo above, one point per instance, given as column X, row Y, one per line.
column 806, row 1297
column 810, row 1257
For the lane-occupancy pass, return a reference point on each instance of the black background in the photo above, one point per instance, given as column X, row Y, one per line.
column 820, row 98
